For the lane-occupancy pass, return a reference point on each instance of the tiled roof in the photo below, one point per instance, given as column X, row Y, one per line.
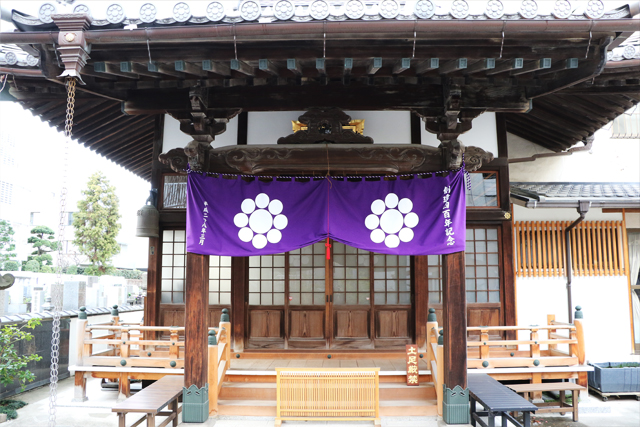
column 14, row 56
column 184, row 13
column 567, row 194
column 629, row 49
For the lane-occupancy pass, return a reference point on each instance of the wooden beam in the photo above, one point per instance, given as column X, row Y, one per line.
column 133, row 67
column 347, row 66
column 239, row 270
column 189, row 68
column 455, row 65
column 242, row 67
column 565, row 64
column 155, row 67
column 88, row 70
column 294, row 66
column 427, row 98
column 113, row 69
column 321, row 66
column 428, row 65
column 482, row 65
column 243, row 128
column 268, row 67
column 196, row 320
column 421, row 299
column 454, row 316
column 402, row 65
column 531, row 66
column 374, row 65
column 216, row 67
column 511, row 64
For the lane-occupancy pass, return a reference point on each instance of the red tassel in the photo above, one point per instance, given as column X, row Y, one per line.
column 328, row 246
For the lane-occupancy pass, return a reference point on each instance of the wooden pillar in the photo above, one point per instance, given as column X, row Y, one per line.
column 239, row 268
column 421, row 300
column 195, row 395
column 152, row 303
column 456, row 396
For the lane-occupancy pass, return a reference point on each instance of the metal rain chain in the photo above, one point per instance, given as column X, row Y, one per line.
column 56, row 297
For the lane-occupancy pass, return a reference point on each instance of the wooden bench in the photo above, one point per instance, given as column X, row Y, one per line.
column 151, row 400
column 496, row 400
column 562, row 406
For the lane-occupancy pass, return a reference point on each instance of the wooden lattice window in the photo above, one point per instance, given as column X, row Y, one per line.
column 351, row 275
column 267, row 279
column 482, row 265
column 219, row 280
column 174, row 261
column 482, row 190
column 173, row 272
column 482, row 268
column 391, row 279
column 596, row 248
column 307, row 275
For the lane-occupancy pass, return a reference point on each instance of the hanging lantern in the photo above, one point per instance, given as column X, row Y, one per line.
column 149, row 218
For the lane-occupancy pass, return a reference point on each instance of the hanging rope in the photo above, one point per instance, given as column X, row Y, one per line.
column 56, row 297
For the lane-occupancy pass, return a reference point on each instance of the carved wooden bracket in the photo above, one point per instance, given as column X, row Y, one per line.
column 320, row 159
column 324, row 125
column 201, row 123
column 72, row 45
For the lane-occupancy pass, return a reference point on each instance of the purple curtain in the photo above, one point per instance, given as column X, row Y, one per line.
column 420, row 215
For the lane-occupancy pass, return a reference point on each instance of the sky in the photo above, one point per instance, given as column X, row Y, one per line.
column 40, row 151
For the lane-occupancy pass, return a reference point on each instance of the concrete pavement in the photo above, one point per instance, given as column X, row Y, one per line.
column 96, row 412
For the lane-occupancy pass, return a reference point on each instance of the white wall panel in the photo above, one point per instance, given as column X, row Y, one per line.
column 174, row 138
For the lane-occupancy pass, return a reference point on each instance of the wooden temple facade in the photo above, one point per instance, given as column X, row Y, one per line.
column 545, row 77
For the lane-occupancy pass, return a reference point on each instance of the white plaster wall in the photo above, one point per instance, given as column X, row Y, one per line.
column 521, row 213
column 609, row 160
column 385, row 127
column 266, row 127
column 483, row 134
column 605, row 304
column 633, row 220
column 174, row 138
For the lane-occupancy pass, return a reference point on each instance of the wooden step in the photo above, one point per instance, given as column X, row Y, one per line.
column 267, row 408
column 267, row 391
column 400, row 391
column 247, row 376
column 248, row 391
column 408, row 408
column 250, row 408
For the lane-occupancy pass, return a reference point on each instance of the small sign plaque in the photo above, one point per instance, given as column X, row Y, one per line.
column 413, row 377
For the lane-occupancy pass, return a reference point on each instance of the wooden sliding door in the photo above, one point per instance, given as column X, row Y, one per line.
column 354, row 300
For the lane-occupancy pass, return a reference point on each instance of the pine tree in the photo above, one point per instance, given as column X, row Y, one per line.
column 7, row 244
column 43, row 242
column 96, row 224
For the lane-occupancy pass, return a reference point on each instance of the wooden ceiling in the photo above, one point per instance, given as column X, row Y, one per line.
column 551, row 81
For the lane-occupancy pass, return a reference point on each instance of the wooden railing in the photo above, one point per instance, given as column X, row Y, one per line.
column 119, row 345
column 333, row 394
column 529, row 352
column 597, row 248
column 556, row 344
column 219, row 362
column 435, row 354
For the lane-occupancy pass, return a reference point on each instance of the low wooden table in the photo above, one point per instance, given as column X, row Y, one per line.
column 496, row 400
column 150, row 401
column 563, row 387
